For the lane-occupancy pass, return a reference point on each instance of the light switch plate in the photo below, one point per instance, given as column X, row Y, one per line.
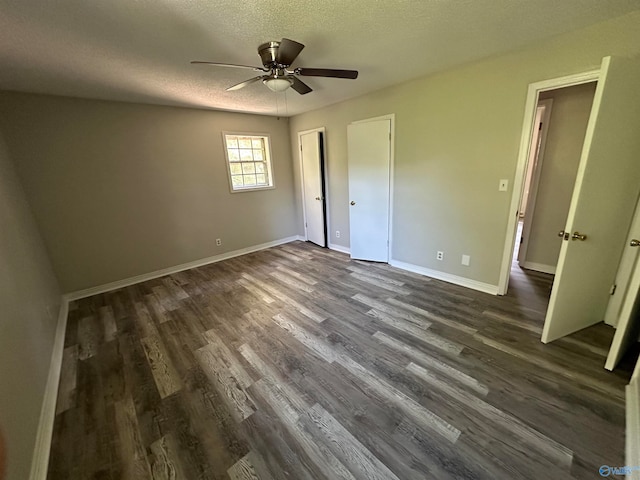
column 465, row 260
column 503, row 185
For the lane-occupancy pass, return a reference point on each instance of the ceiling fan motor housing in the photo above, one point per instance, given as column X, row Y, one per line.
column 268, row 53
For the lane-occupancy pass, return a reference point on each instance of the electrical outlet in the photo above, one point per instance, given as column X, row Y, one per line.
column 337, row 233
column 440, row 256
column 465, row 260
column 218, row 242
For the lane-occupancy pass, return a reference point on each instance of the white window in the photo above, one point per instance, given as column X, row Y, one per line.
column 248, row 161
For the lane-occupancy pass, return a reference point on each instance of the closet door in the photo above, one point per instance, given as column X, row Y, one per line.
column 369, row 149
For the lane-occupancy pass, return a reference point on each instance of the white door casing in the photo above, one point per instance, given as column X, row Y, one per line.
column 602, row 205
column 312, row 187
column 369, row 154
column 536, row 158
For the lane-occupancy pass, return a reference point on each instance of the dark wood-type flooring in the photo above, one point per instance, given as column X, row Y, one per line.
column 297, row 363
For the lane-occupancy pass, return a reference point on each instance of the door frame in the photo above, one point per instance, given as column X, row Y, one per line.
column 392, row 149
column 325, row 179
column 535, row 180
column 533, row 92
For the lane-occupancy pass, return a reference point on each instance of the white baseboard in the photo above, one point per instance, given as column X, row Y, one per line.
column 302, row 238
column 340, row 248
column 87, row 292
column 40, row 458
column 446, row 277
column 539, row 267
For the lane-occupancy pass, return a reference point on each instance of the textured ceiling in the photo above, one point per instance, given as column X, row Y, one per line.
column 139, row 50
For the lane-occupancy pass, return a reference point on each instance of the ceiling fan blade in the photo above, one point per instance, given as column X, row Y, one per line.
column 288, row 51
column 216, row 64
column 327, row 72
column 300, row 87
column 240, row 85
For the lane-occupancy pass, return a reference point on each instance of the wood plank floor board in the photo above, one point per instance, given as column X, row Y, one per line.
column 297, row 362
column 165, row 460
column 555, row 451
column 374, row 420
column 111, row 372
column 132, row 452
column 505, row 448
column 90, row 335
column 319, row 454
column 270, row 440
column 550, row 362
column 68, row 380
column 345, row 446
column 249, row 467
column 228, row 386
column 164, row 373
column 212, row 424
column 443, row 320
column 140, row 385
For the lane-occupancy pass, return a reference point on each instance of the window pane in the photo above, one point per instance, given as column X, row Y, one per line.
column 247, row 161
column 234, row 156
column 236, row 180
column 246, row 155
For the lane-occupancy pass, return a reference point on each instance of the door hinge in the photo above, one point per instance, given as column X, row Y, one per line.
column 613, row 289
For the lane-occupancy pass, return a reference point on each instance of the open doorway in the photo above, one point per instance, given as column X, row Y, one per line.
column 313, row 173
column 556, row 142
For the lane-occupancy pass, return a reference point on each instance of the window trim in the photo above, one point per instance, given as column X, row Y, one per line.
column 268, row 155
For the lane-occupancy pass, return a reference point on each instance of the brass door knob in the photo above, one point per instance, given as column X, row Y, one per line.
column 578, row 236
column 317, row 198
column 634, row 243
column 352, row 202
column 563, row 234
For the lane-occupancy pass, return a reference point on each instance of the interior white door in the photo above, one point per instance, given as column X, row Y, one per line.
column 628, row 324
column 311, row 154
column 624, row 273
column 369, row 150
column 602, row 204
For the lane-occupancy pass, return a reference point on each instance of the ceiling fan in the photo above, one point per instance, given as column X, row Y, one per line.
column 277, row 57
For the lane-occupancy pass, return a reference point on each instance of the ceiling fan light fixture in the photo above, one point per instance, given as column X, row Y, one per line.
column 277, row 84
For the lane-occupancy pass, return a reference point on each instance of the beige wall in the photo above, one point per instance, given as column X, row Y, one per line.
column 120, row 189
column 567, row 127
column 29, row 305
column 457, row 134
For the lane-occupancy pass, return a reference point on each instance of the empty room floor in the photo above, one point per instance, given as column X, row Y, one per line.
column 298, row 363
